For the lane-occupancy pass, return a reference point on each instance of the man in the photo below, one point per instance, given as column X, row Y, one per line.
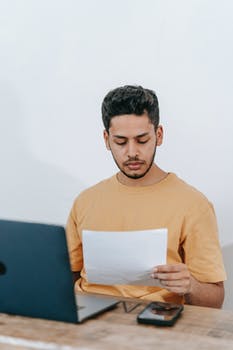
column 142, row 196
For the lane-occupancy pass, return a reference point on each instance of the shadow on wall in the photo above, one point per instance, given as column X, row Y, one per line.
column 228, row 260
column 29, row 189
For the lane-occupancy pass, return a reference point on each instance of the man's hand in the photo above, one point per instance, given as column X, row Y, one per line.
column 76, row 276
column 175, row 278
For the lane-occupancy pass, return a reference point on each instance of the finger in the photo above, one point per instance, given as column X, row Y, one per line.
column 177, row 286
column 177, row 290
column 176, row 276
column 170, row 268
column 176, row 283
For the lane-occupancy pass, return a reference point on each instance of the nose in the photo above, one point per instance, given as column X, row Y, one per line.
column 132, row 151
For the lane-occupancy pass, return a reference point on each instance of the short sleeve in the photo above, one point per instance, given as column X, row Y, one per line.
column 73, row 241
column 201, row 247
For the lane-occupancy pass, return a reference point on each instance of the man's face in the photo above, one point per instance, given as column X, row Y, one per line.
column 132, row 141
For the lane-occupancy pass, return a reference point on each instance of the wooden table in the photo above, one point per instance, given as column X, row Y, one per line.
column 198, row 328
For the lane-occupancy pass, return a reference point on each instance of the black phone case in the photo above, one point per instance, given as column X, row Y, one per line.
column 143, row 319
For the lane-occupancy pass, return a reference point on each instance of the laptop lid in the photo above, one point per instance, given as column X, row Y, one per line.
column 35, row 274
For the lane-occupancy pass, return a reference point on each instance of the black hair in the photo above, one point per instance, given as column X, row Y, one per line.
column 130, row 99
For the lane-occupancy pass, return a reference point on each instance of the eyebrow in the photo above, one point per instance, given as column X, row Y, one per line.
column 136, row 137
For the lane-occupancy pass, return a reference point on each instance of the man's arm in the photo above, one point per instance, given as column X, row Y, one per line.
column 206, row 294
column 176, row 278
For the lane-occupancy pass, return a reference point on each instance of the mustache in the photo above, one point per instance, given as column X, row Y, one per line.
column 133, row 160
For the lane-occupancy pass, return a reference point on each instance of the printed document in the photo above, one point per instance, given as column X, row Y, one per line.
column 124, row 257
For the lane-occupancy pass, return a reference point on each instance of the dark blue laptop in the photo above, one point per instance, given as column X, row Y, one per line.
column 35, row 275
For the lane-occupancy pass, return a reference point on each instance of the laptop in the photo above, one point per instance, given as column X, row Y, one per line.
column 35, row 275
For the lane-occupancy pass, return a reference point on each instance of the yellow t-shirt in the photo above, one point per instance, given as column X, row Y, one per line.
column 171, row 203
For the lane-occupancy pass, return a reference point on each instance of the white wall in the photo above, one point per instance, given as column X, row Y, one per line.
column 58, row 58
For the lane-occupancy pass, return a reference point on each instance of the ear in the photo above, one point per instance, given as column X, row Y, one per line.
column 159, row 135
column 106, row 139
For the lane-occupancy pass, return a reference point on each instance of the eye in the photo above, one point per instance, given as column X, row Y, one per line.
column 121, row 143
column 143, row 141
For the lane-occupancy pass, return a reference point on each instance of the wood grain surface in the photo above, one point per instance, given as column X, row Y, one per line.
column 198, row 328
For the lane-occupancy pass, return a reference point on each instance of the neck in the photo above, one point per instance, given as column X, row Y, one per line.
column 154, row 175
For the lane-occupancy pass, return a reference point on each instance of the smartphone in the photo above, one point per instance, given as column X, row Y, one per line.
column 160, row 314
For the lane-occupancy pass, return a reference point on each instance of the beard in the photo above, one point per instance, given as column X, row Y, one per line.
column 135, row 176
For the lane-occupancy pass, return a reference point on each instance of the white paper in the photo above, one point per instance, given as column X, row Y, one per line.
column 124, row 257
